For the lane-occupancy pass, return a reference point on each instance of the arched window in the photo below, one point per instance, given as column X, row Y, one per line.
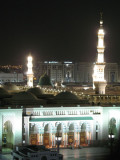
column 71, row 127
column 83, row 127
column 7, row 135
column 59, row 128
column 112, row 126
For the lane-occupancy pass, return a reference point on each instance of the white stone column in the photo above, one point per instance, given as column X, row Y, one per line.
column 41, row 139
column 78, row 138
column 26, row 126
column 93, row 133
column 50, row 139
column 100, row 129
column 1, row 125
column 65, row 141
column 17, row 128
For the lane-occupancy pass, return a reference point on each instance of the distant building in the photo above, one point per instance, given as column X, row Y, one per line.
column 57, row 71
column 80, row 72
column 11, row 77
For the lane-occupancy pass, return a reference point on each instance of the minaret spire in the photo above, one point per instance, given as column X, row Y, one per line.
column 99, row 82
column 29, row 72
column 101, row 19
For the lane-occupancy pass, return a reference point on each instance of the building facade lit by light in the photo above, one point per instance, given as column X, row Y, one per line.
column 30, row 72
column 79, row 126
column 99, row 83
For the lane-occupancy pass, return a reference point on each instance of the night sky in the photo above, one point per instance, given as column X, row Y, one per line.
column 57, row 30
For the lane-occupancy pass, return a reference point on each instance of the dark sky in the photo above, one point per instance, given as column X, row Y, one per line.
column 57, row 30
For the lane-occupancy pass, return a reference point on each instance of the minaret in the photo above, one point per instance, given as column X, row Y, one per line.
column 99, row 83
column 29, row 72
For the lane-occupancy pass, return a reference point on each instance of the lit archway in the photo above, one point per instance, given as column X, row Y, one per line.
column 46, row 137
column 71, row 134
column 83, row 134
column 7, row 135
column 34, row 131
column 112, row 127
column 59, row 128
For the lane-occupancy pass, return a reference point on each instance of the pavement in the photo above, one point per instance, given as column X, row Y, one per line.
column 90, row 153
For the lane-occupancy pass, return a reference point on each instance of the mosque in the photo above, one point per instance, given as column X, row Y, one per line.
column 29, row 116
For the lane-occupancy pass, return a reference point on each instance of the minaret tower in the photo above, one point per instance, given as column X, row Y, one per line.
column 29, row 72
column 99, row 83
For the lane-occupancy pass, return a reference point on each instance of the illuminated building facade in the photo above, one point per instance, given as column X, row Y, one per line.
column 80, row 72
column 30, row 72
column 57, row 71
column 79, row 126
column 99, row 83
column 12, row 74
column 11, row 77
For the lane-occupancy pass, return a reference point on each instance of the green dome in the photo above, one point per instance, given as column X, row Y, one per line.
column 44, row 80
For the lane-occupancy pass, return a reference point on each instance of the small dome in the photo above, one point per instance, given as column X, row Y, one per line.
column 10, row 86
column 3, row 92
column 24, row 96
column 36, row 91
column 66, row 96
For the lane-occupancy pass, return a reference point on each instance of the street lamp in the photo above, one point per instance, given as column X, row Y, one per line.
column 111, row 137
column 58, row 141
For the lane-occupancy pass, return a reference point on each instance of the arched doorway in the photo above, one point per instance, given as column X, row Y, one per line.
column 34, row 134
column 7, row 135
column 59, row 129
column 112, row 127
column 83, row 134
column 71, row 135
column 46, row 136
column 59, row 133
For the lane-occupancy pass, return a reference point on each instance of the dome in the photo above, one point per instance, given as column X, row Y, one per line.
column 10, row 86
column 3, row 92
column 24, row 96
column 36, row 91
column 66, row 96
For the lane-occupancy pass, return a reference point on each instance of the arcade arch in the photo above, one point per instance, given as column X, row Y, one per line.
column 83, row 134
column 72, row 133
column 7, row 135
column 112, row 126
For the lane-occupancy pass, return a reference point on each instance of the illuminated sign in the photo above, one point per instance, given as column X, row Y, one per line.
column 50, row 62
column 68, row 62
